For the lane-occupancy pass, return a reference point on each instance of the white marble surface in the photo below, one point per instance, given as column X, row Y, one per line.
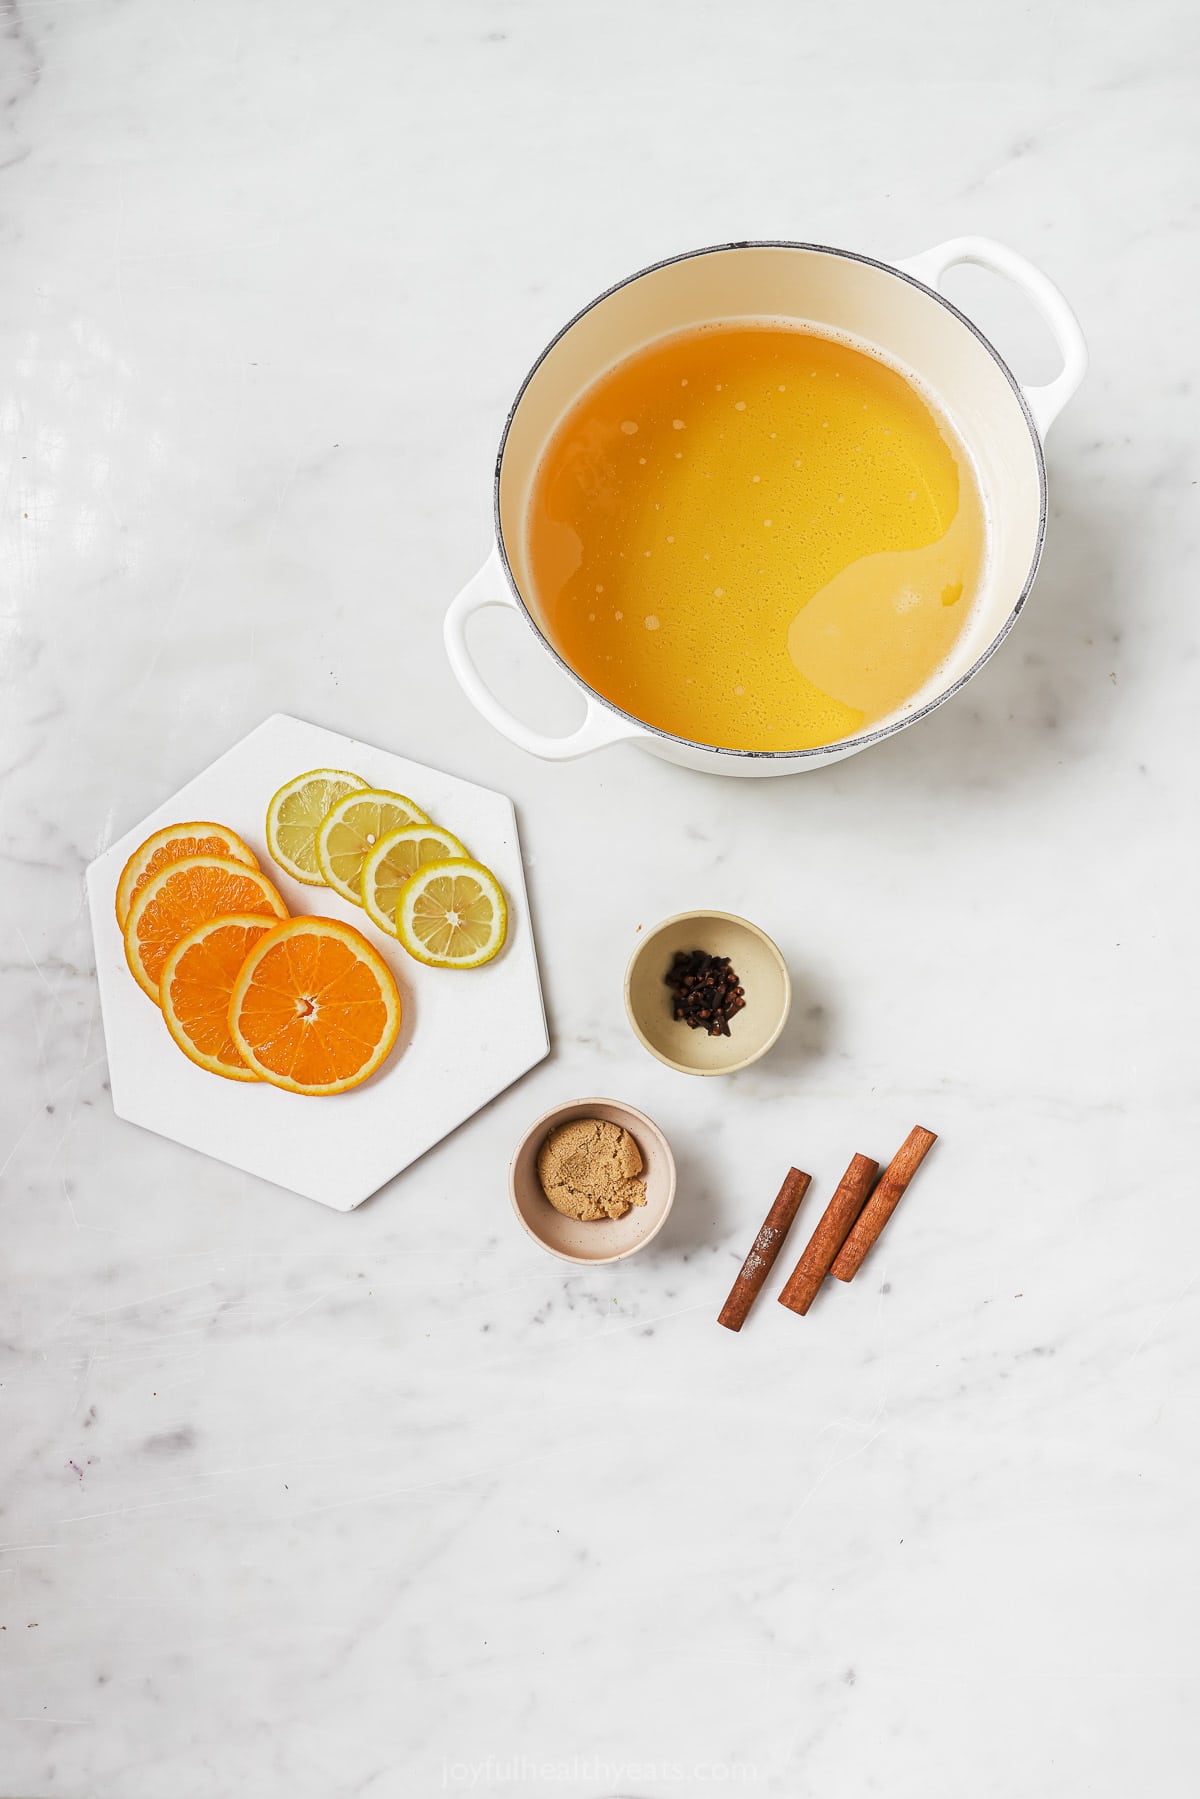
column 297, row 1504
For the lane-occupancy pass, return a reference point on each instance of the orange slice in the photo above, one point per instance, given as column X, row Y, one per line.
column 174, row 843
column 197, row 981
column 183, row 895
column 315, row 1008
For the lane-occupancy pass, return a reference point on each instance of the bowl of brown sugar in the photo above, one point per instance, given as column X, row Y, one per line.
column 592, row 1180
column 707, row 992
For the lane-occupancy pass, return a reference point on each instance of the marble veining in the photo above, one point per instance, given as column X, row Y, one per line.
column 390, row 1504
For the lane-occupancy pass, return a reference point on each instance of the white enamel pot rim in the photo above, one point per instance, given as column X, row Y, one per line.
column 605, row 723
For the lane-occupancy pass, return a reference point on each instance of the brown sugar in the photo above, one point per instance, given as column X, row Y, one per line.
column 589, row 1168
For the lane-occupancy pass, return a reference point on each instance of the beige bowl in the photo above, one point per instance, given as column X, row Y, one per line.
column 605, row 1239
column 759, row 967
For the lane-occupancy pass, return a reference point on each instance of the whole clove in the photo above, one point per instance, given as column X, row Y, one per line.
column 707, row 991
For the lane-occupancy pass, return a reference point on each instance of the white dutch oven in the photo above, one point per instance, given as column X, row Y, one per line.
column 900, row 313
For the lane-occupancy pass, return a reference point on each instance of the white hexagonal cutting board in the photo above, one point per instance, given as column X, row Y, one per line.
column 466, row 1035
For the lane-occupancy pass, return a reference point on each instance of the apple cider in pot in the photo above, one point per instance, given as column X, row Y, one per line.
column 755, row 536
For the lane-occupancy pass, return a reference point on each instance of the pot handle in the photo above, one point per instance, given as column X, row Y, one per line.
column 600, row 727
column 1046, row 402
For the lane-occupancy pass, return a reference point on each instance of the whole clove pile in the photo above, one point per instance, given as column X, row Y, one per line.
column 707, row 991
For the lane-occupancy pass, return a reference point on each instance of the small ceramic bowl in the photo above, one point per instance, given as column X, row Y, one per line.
column 759, row 967
column 604, row 1239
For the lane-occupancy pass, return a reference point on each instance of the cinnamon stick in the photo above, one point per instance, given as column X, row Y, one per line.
column 836, row 1223
column 765, row 1248
column 883, row 1202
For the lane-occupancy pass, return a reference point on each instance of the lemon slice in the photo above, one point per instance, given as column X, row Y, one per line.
column 295, row 814
column 395, row 859
column 452, row 914
column 351, row 829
